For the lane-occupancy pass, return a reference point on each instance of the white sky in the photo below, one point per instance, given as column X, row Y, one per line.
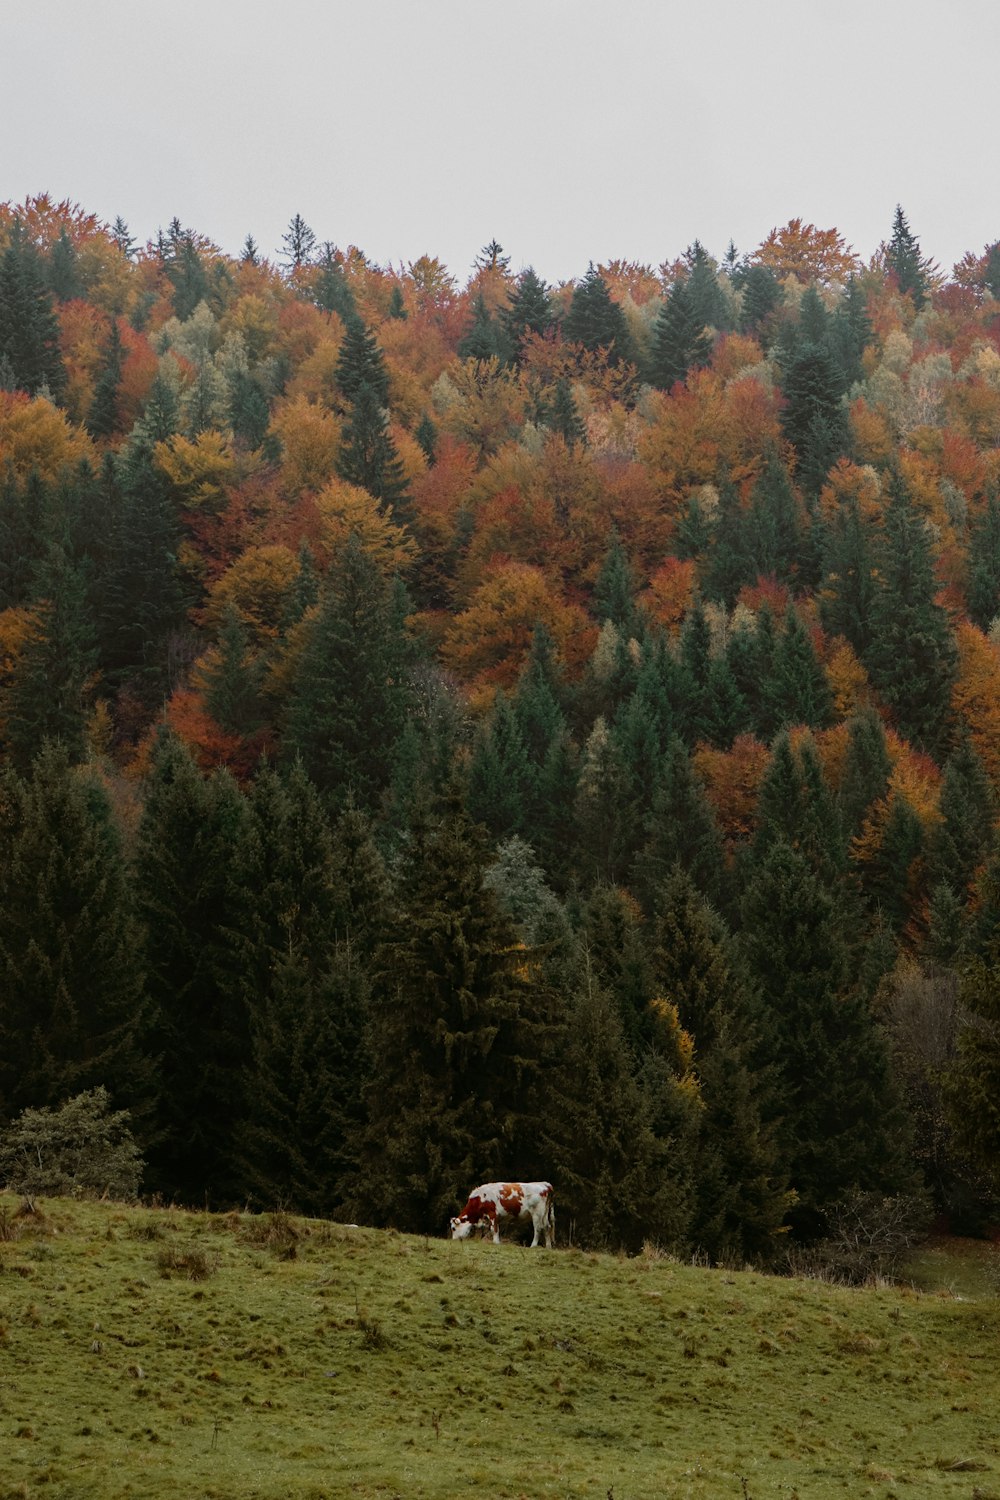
column 569, row 130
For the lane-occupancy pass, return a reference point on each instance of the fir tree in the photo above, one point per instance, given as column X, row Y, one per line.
column 29, row 329
column 775, row 530
column 233, row 680
column 847, row 597
column 813, row 419
column 681, row 832
column 426, row 434
column 615, row 588
column 798, row 689
column 64, row 272
column 102, row 418
column 501, row 778
column 762, row 296
column 865, row 779
column 297, row 245
column 983, row 589
column 707, row 299
column 332, row 291
column 484, row 338
column 563, row 416
column 966, row 836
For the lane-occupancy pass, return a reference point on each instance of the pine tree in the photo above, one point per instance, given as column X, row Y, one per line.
column 776, row 531
column 250, row 253
column 122, row 238
column 349, row 695
column 426, row 434
column 972, row 1085
column 615, row 588
column 192, row 907
column 888, row 879
column 233, row 680
column 813, row 419
column 332, row 291
column 73, row 1012
column 966, row 836
column 762, row 296
column 912, row 656
column 63, row 271
column 851, row 331
column 730, row 562
column 706, row 294
column 502, row 780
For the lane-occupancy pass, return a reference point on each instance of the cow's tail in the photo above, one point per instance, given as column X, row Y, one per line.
column 550, row 1217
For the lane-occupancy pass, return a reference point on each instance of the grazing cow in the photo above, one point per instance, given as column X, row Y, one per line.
column 519, row 1201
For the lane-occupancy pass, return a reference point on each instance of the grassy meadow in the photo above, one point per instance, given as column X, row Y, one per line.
column 164, row 1355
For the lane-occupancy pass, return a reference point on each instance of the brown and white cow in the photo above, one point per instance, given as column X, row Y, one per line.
column 519, row 1201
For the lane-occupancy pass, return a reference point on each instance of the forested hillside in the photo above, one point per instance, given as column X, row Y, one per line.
column 457, row 731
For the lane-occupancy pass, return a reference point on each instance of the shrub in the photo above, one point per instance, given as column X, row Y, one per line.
column 869, row 1235
column 78, row 1150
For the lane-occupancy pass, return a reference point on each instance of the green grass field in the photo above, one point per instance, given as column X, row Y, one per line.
column 163, row 1355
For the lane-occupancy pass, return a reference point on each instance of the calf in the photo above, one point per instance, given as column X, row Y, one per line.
column 519, row 1201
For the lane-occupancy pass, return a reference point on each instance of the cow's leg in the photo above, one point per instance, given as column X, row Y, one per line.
column 495, row 1226
column 535, row 1226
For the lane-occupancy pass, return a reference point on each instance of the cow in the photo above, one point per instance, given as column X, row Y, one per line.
column 519, row 1201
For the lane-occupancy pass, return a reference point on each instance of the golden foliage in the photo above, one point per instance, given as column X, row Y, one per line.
column 807, row 253
column 310, row 441
column 489, row 641
column 34, row 434
column 344, row 510
column 257, row 585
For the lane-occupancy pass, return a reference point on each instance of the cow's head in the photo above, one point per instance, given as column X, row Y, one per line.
column 461, row 1227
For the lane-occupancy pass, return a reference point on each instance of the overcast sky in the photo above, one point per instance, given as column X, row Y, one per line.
column 569, row 130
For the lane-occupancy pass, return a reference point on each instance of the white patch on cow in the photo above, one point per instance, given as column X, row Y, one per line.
column 486, row 1208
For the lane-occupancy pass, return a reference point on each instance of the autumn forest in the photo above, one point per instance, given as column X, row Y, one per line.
column 452, row 730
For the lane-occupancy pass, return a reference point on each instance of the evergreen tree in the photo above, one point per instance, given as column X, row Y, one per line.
column 64, row 273
column 762, row 296
column 250, row 253
column 368, row 455
column 847, row 597
column 48, row 697
column 617, row 1179
column 102, row 418
column 332, row 291
column 596, row 321
column 905, row 262
column 851, row 331
column 349, row 694
column 452, row 1092
column 983, row 589
column 426, row 434
column 361, row 363
column 680, row 341
column 297, row 245
column 73, row 1012
column 798, row 689
column 865, row 778
column 615, row 588
column 29, row 329
column 186, row 271
column 233, row 680
column 813, row 419
column 912, row 656
column 502, row 779
column 24, row 534
column 682, row 832
column 889, row 877
column 839, row 1124
column 563, row 416
column 707, row 299
column 972, row 1085
column 192, row 905
column 966, row 836
column 397, row 307
column 775, row 530
column 484, row 338
column 730, row 562
column 122, row 238
column 528, row 311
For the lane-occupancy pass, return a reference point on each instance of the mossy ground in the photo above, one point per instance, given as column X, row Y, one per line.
column 162, row 1355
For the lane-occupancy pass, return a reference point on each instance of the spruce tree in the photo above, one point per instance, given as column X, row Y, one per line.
column 963, row 841
column 615, row 588
column 813, row 419
column 452, row 1093
column 502, row 780
column 681, row 832
column 563, row 416
column 63, row 270
column 596, row 321
column 102, row 418
column 798, row 688
column 349, row 695
column 847, row 597
column 29, row 329
column 192, row 905
column 912, row 656
column 905, row 262
column 368, row 455
column 681, row 341
column 529, row 311
column 839, row 1123
column 73, row 1010
column 776, row 529
column 983, row 588
column 762, row 296
column 361, row 362
column 865, row 778
column 485, row 337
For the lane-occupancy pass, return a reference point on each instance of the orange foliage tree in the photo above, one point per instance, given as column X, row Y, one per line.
column 807, row 253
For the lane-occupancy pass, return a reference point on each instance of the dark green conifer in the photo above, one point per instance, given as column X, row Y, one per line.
column 983, row 590
column 502, row 779
column 29, row 329
column 426, row 434
column 103, row 416
column 912, row 656
column 361, row 363
column 596, row 321
column 563, row 416
column 73, row 1010
column 192, row 905
column 681, row 342
column 349, row 695
column 904, row 261
column 798, row 689
column 847, row 597
column 682, row 832
column 233, row 680
column 528, row 312
column 63, row 271
column 484, row 338
column 866, row 770
column 368, row 455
